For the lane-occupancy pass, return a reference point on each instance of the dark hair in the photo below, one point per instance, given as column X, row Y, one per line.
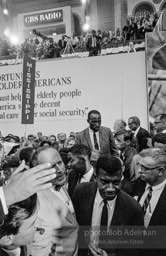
column 17, row 213
column 45, row 141
column 135, row 120
column 110, row 164
column 128, row 135
column 96, row 112
column 80, row 149
column 26, row 154
column 159, row 137
column 52, row 136
column 10, row 162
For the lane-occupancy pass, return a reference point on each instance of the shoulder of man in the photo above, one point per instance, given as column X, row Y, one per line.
column 85, row 187
column 130, row 202
column 144, row 131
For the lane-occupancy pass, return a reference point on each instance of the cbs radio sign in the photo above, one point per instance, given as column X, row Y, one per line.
column 44, row 17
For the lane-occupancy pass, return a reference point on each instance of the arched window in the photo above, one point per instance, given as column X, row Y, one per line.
column 163, row 6
column 77, row 25
column 142, row 10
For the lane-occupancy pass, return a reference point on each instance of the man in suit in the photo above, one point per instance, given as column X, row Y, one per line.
column 19, row 227
column 102, row 204
column 98, row 138
column 119, row 124
column 123, row 140
column 160, row 123
column 93, row 44
column 140, row 138
column 62, row 43
column 80, row 167
column 150, row 192
column 56, row 214
column 24, row 184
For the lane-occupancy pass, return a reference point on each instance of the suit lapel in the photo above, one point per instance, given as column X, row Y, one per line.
column 117, row 218
column 60, row 206
column 160, row 205
column 89, row 202
column 100, row 137
column 88, row 139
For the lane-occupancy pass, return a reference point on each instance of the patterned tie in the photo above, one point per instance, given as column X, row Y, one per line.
column 147, row 200
column 95, row 141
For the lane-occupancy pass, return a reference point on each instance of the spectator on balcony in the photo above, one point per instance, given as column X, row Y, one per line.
column 62, row 43
column 93, row 44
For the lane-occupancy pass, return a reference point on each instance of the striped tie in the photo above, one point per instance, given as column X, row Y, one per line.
column 95, row 141
column 147, row 200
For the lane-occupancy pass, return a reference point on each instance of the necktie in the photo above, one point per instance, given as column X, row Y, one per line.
column 104, row 215
column 147, row 200
column 95, row 141
column 103, row 224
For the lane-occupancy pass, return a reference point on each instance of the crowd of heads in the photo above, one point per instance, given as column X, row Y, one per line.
column 45, row 47
column 71, row 158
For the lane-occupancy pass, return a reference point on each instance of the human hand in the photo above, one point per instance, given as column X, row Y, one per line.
column 21, row 185
column 96, row 251
column 95, row 155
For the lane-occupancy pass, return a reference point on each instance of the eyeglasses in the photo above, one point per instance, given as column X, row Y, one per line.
column 144, row 168
column 131, row 123
column 158, row 122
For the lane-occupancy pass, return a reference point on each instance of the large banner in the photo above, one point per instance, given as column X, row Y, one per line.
column 67, row 89
column 28, row 90
column 156, row 69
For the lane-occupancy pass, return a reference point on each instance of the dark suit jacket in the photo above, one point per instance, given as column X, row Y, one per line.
column 106, row 139
column 158, row 219
column 60, row 44
column 159, row 215
column 2, row 253
column 73, row 181
column 142, row 136
column 127, row 211
column 89, row 43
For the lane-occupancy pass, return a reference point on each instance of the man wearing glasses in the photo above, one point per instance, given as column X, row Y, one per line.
column 160, row 123
column 150, row 187
column 150, row 192
column 140, row 137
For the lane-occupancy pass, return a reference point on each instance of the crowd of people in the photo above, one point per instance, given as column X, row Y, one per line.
column 42, row 47
column 76, row 195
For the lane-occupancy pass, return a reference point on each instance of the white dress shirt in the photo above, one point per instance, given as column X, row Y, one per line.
column 156, row 192
column 87, row 176
column 96, row 216
column 136, row 131
column 3, row 206
column 91, row 132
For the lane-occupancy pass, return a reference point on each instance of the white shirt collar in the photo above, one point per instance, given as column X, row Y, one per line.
column 157, row 187
column 87, row 176
column 91, row 131
column 164, row 131
column 136, row 131
column 100, row 200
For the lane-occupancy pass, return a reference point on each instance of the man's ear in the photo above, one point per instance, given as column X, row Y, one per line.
column 161, row 171
column 88, row 121
column 6, row 240
column 128, row 142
